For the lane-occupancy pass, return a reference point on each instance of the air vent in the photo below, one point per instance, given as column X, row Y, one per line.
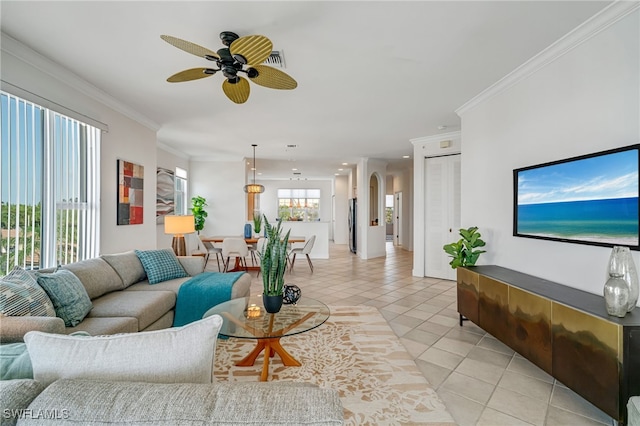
column 297, row 173
column 276, row 59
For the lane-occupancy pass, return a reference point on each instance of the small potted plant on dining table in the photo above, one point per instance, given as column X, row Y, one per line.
column 257, row 223
column 273, row 264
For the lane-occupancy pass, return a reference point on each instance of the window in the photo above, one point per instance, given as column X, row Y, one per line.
column 299, row 204
column 49, row 187
column 181, row 191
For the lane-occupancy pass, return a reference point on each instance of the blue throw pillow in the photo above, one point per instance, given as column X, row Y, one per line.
column 161, row 265
column 70, row 299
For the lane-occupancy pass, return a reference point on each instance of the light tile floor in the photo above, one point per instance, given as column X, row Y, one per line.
column 481, row 381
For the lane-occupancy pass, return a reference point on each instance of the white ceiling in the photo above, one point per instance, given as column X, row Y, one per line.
column 371, row 75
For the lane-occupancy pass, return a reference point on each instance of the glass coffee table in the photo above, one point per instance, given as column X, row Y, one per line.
column 246, row 318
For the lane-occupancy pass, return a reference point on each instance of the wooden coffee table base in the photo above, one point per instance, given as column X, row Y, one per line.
column 270, row 345
column 270, row 348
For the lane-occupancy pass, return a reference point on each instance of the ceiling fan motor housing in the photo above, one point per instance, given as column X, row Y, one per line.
column 228, row 37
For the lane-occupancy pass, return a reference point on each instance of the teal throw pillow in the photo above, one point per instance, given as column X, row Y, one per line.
column 15, row 362
column 69, row 297
column 161, row 265
column 21, row 295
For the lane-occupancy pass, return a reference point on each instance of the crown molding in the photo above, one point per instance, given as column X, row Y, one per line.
column 16, row 48
column 592, row 26
column 172, row 150
column 436, row 138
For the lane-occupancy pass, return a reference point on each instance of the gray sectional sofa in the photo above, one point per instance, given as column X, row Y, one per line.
column 90, row 402
column 122, row 298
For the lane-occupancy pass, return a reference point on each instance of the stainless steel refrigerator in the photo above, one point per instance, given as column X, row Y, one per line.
column 353, row 204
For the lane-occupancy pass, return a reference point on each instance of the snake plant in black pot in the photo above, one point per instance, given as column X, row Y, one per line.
column 273, row 264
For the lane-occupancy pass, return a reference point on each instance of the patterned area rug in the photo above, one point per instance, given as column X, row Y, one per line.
column 357, row 353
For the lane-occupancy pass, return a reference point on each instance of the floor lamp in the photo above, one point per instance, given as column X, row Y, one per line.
column 178, row 226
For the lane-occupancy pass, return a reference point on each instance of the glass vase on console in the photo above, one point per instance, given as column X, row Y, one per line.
column 622, row 266
column 616, row 296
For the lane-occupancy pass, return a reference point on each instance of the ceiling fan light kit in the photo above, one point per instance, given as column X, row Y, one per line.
column 242, row 55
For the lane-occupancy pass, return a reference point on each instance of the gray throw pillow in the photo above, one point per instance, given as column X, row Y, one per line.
column 69, row 297
column 127, row 265
column 173, row 355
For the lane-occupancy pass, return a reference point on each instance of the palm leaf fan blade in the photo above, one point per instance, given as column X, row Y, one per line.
column 238, row 92
column 189, row 47
column 273, row 78
column 254, row 48
column 190, row 74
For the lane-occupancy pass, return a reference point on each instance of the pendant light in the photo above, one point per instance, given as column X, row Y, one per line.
column 254, row 188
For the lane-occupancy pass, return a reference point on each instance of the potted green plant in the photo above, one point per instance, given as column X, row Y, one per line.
column 463, row 251
column 273, row 264
column 257, row 222
column 198, row 204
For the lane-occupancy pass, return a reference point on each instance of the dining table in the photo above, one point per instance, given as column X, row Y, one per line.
column 249, row 240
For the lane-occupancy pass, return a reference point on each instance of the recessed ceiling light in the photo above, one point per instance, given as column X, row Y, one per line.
column 337, row 174
column 340, row 170
column 259, row 173
column 406, row 156
column 345, row 164
column 294, row 169
column 442, row 127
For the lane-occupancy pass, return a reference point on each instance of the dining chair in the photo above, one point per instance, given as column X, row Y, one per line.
column 234, row 247
column 253, row 249
column 306, row 249
column 212, row 249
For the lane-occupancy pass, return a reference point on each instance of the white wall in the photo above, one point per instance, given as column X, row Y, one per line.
column 170, row 160
column 126, row 139
column 129, row 141
column 221, row 183
column 585, row 101
column 342, row 194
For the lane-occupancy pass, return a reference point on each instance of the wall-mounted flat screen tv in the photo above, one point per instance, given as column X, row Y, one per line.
column 591, row 199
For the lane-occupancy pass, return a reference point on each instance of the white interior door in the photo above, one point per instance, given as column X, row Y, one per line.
column 397, row 219
column 442, row 212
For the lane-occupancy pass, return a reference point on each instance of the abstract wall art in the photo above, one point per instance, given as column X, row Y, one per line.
column 130, row 193
column 165, row 193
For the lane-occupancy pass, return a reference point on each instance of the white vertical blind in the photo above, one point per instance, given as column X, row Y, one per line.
column 49, row 187
column 76, row 199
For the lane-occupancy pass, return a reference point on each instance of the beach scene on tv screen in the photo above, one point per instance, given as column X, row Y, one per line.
column 592, row 199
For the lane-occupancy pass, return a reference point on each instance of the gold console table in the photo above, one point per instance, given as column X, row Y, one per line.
column 563, row 330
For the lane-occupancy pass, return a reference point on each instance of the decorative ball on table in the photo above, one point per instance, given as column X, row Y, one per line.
column 291, row 294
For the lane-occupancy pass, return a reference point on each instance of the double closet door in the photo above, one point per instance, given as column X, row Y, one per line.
column 442, row 213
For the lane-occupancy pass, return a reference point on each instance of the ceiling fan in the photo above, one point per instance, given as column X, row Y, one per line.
column 242, row 55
